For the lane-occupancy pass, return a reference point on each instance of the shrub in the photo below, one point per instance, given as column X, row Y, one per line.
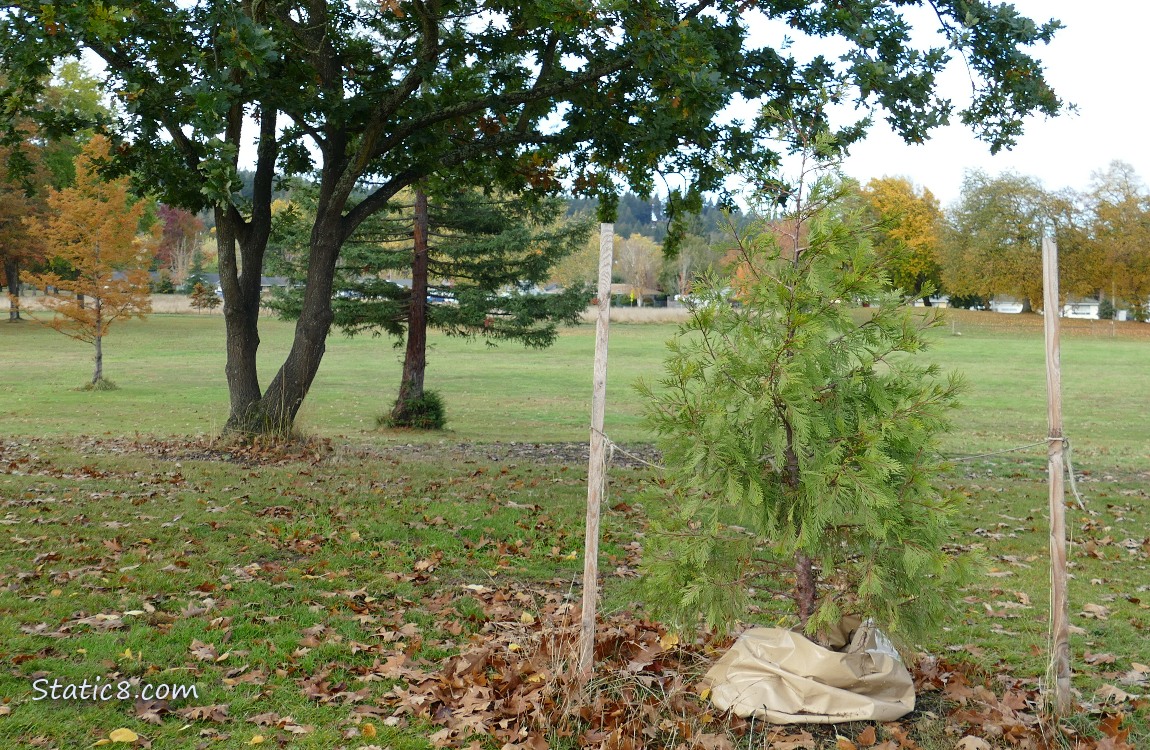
column 423, row 413
column 164, row 285
column 800, row 436
column 204, row 298
column 1106, row 310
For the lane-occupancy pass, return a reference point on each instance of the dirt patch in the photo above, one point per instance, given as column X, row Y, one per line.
column 631, row 455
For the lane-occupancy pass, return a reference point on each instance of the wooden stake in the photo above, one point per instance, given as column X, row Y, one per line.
column 596, row 468
column 1059, row 600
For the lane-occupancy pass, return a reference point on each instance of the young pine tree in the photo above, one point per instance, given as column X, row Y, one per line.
column 91, row 228
column 799, row 433
column 470, row 262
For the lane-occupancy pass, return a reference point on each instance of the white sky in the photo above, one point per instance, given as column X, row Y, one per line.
column 1098, row 62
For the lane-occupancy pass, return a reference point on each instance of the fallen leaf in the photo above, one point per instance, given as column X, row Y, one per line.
column 866, row 737
column 126, row 736
column 1095, row 612
column 972, row 743
column 256, row 739
column 1112, row 694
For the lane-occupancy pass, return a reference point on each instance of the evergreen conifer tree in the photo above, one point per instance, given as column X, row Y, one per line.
column 477, row 272
column 799, row 434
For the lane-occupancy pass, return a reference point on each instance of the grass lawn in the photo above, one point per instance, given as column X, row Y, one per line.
column 316, row 597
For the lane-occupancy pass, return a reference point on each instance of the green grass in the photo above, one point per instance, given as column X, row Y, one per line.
column 244, row 550
column 170, row 373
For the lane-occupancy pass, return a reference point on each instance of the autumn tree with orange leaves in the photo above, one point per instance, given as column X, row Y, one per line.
column 92, row 227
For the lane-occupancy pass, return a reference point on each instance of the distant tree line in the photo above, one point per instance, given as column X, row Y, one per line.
column 988, row 243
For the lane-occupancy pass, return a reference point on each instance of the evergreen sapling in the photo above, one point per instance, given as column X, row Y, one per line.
column 799, row 433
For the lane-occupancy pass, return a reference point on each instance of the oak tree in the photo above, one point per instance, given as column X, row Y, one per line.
column 92, row 226
column 374, row 97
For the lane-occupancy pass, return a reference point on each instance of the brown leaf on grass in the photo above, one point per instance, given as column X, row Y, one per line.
column 1134, row 677
column 1112, row 694
column 1111, row 726
column 217, row 712
column 269, row 719
column 240, row 675
column 866, row 737
column 1090, row 658
column 286, row 723
column 645, row 658
column 1095, row 612
column 711, row 741
column 842, row 743
column 203, row 651
column 972, row 743
column 151, row 711
column 101, row 622
column 799, row 741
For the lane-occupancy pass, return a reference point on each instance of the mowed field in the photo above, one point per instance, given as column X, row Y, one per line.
column 170, row 372
column 372, row 588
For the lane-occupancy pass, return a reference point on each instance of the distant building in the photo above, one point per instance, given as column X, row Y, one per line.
column 1004, row 304
column 1083, row 308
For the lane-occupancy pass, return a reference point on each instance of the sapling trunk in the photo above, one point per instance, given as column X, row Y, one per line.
column 98, row 375
column 806, row 592
column 415, row 357
column 12, row 272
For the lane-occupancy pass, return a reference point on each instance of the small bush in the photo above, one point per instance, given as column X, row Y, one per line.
column 1106, row 310
column 204, row 298
column 423, row 413
column 968, row 302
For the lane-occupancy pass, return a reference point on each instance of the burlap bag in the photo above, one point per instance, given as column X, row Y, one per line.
column 785, row 678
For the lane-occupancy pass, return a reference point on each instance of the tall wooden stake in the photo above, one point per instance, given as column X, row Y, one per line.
column 1059, row 601
column 596, row 467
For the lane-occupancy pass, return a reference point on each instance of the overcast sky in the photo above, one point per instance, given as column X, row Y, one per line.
column 1098, row 62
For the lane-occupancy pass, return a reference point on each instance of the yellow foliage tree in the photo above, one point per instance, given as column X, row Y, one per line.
column 91, row 227
column 1122, row 233
column 909, row 231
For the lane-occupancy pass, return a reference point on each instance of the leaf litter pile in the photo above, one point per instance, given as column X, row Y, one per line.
column 326, row 598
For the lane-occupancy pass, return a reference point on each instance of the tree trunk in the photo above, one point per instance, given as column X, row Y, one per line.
column 415, row 357
column 98, row 375
column 12, row 278
column 241, row 322
column 240, row 277
column 806, row 593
